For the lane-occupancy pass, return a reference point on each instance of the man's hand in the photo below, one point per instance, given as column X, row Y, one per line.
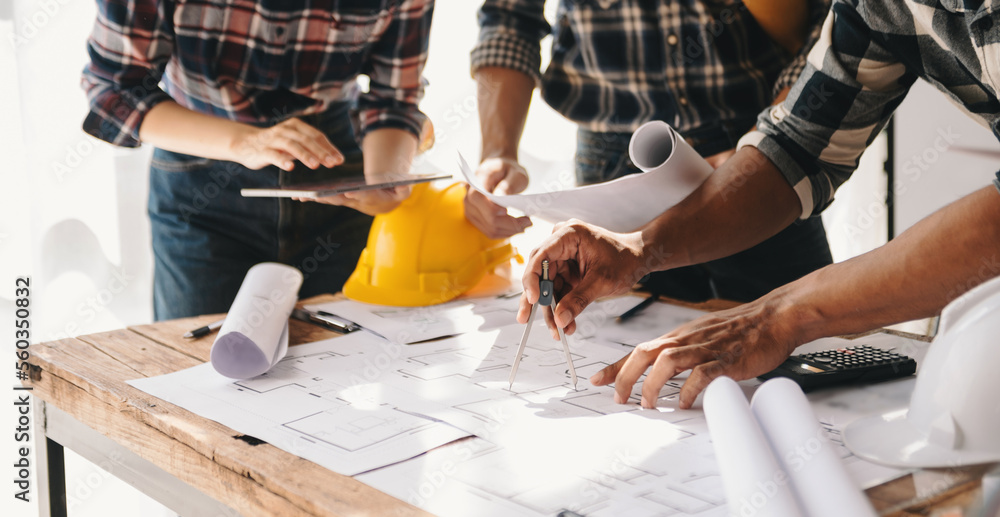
column 585, row 262
column 741, row 343
column 371, row 202
column 500, row 176
column 279, row 145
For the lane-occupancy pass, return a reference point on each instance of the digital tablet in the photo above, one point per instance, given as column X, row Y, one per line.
column 340, row 186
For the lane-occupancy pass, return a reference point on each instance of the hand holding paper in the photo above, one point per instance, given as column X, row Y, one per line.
column 671, row 171
column 255, row 335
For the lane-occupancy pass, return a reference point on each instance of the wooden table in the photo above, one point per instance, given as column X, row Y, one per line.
column 198, row 467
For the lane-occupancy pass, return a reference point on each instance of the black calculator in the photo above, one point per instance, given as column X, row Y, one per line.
column 850, row 365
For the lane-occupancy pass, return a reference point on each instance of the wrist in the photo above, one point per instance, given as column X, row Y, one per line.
column 797, row 305
column 237, row 141
column 655, row 255
column 501, row 153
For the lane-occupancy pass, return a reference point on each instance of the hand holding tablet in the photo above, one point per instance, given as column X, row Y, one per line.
column 341, row 186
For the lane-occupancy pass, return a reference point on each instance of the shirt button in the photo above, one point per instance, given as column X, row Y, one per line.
column 672, row 39
column 683, row 101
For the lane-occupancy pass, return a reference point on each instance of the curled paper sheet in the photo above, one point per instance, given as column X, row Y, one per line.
column 254, row 336
column 774, row 458
column 801, row 446
column 752, row 479
column 671, row 171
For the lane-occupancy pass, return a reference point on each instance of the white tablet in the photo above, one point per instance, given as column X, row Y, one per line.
column 339, row 186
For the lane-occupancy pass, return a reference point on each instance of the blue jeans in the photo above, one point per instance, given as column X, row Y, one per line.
column 791, row 254
column 206, row 235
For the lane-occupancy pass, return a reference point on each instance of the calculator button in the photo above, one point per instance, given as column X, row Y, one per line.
column 823, row 359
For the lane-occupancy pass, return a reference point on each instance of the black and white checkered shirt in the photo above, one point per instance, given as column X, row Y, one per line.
column 705, row 66
column 868, row 55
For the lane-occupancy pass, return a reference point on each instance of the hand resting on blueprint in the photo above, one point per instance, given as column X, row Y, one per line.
column 588, row 262
column 741, row 343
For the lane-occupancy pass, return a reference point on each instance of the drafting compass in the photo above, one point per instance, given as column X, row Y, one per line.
column 546, row 297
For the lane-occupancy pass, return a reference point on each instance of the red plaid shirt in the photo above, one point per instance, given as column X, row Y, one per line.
column 257, row 62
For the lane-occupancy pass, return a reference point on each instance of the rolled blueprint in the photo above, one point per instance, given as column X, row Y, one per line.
column 753, row 481
column 672, row 171
column 254, row 336
column 818, row 476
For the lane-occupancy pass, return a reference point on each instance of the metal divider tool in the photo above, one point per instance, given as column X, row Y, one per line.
column 547, row 298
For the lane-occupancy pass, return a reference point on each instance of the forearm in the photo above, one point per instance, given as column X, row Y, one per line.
column 741, row 204
column 388, row 151
column 913, row 276
column 504, row 96
column 173, row 127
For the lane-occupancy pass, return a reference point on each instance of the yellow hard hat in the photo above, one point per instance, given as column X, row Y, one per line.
column 424, row 252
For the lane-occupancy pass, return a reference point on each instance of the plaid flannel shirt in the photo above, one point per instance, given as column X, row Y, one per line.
column 257, row 62
column 705, row 66
column 868, row 55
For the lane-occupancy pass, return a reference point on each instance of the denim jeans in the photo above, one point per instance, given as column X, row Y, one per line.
column 791, row 254
column 206, row 235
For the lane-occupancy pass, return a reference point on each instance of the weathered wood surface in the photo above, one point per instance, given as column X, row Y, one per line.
column 86, row 377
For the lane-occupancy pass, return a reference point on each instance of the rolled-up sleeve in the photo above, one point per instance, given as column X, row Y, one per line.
column 847, row 92
column 395, row 67
column 510, row 35
column 129, row 48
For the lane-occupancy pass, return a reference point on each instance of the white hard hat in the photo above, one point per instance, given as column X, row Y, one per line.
column 954, row 413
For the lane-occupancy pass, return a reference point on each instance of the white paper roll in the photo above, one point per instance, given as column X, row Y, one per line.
column 818, row 476
column 254, row 336
column 673, row 170
column 754, row 482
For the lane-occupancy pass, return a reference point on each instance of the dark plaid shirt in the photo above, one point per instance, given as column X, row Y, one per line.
column 257, row 62
column 868, row 55
column 704, row 66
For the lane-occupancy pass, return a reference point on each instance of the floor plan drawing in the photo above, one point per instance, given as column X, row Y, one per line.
column 366, row 406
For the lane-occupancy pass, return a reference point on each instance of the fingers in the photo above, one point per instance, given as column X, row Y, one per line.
column 514, row 182
column 669, row 362
column 316, row 142
column 296, row 139
column 700, row 378
column 490, row 218
column 608, row 374
column 278, row 158
column 502, row 176
column 554, row 329
column 557, row 247
column 295, row 148
column 523, row 309
column 634, row 366
column 576, row 300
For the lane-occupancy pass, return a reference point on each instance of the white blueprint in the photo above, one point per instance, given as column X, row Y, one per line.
column 358, row 402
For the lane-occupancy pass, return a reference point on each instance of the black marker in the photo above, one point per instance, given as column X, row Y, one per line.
column 204, row 331
column 637, row 309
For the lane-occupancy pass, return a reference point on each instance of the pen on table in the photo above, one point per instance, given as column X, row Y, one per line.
column 637, row 309
column 326, row 320
column 203, row 331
